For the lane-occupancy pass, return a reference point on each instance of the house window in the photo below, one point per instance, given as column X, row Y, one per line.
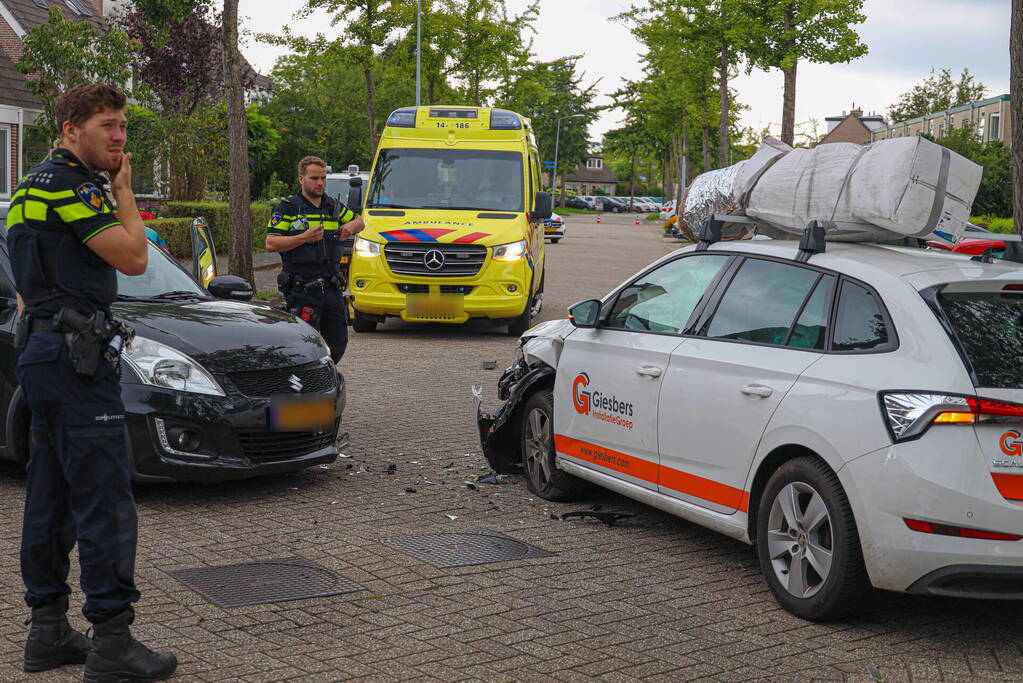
column 941, row 131
column 994, row 127
column 5, row 161
column 980, row 129
column 594, row 163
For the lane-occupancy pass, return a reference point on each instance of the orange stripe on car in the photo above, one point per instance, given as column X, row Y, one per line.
column 1009, row 485
column 676, row 480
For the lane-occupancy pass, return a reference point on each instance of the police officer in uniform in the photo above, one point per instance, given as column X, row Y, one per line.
column 66, row 245
column 308, row 229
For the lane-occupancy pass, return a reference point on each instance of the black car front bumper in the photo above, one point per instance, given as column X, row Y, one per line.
column 232, row 438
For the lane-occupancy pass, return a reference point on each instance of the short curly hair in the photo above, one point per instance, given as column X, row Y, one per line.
column 82, row 101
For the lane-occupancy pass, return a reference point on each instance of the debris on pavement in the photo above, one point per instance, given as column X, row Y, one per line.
column 609, row 518
column 410, row 490
column 452, row 517
column 489, row 365
column 362, row 469
column 492, row 478
column 392, row 468
column 469, row 485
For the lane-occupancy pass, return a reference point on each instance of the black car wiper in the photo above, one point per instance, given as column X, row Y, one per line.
column 126, row 297
column 177, row 294
column 461, row 208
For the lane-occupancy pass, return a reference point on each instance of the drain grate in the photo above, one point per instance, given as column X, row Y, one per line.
column 464, row 548
column 251, row 583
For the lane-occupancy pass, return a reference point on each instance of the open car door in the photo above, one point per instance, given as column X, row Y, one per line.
column 204, row 253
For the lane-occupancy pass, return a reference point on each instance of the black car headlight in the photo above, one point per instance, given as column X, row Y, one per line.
column 159, row 365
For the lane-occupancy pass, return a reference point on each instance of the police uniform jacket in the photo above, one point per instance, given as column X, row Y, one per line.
column 295, row 215
column 56, row 209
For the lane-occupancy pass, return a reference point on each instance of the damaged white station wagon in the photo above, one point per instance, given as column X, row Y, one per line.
column 855, row 414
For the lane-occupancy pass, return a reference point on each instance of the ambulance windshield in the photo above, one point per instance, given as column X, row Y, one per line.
column 474, row 180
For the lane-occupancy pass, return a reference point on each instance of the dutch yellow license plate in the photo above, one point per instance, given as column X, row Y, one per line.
column 345, row 259
column 300, row 414
column 443, row 307
column 546, row 230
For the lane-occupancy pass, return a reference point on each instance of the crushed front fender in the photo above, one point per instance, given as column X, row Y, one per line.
column 499, row 433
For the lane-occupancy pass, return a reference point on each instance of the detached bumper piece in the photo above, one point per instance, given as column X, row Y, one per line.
column 972, row 581
column 499, row 435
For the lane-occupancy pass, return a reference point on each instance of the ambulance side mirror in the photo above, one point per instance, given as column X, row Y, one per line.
column 542, row 207
column 584, row 313
column 354, row 194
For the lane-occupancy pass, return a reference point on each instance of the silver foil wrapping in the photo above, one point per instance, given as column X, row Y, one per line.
column 711, row 192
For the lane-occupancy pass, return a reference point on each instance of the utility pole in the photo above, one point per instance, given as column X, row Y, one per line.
column 419, row 44
column 1016, row 107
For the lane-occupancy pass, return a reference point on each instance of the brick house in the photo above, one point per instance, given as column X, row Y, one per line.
column 591, row 177
column 990, row 118
column 852, row 127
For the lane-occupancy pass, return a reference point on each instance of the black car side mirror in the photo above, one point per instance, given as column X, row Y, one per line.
column 542, row 208
column 585, row 313
column 230, row 287
column 354, row 202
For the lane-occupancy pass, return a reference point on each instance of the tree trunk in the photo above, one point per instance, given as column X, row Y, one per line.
column 239, row 216
column 669, row 187
column 705, row 141
column 371, row 110
column 476, row 89
column 723, row 125
column 431, row 87
column 788, row 106
column 632, row 179
column 1016, row 87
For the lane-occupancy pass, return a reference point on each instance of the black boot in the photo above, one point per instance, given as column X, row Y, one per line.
column 116, row 656
column 51, row 640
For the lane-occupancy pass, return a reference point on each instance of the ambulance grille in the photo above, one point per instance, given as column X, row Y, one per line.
column 411, row 258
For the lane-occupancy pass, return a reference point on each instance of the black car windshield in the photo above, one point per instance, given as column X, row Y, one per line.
column 477, row 180
column 162, row 276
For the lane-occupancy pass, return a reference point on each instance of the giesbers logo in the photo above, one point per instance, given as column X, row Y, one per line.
column 1011, row 444
column 599, row 405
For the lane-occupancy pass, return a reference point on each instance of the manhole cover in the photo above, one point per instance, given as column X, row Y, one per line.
column 460, row 549
column 251, row 583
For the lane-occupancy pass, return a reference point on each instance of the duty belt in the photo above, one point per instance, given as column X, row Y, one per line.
column 40, row 324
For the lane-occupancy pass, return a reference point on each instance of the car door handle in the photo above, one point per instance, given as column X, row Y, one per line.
column 757, row 391
column 649, row 371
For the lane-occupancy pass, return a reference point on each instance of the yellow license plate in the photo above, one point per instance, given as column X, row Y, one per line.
column 345, row 259
column 443, row 307
column 300, row 414
column 550, row 229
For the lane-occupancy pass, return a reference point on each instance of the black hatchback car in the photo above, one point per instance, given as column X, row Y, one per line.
column 205, row 381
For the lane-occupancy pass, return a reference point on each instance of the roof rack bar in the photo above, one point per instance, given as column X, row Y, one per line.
column 813, row 239
column 708, row 233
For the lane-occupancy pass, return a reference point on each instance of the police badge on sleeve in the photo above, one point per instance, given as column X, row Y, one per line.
column 91, row 196
column 275, row 219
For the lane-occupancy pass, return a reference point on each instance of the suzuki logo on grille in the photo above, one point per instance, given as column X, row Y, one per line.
column 295, row 383
column 434, row 259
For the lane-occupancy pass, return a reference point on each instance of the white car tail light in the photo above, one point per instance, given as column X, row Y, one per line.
column 909, row 414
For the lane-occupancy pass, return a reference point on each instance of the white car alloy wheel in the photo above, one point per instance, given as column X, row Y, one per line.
column 799, row 539
column 538, row 457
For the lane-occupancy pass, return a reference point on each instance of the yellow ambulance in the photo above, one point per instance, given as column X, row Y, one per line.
column 454, row 221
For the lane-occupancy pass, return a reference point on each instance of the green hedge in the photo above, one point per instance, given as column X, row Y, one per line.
column 175, row 232
column 216, row 214
column 993, row 223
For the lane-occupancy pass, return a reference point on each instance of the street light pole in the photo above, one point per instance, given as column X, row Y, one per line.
column 557, row 141
column 419, row 38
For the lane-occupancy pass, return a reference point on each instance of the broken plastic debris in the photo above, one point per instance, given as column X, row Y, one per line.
column 489, row 365
column 410, row 490
column 343, row 455
column 469, row 485
column 362, row 468
column 452, row 517
column 492, row 478
column 324, row 467
column 450, row 466
column 477, row 392
column 392, row 468
column 333, row 502
column 609, row 518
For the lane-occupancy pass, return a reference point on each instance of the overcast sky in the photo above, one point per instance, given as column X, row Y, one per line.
column 906, row 39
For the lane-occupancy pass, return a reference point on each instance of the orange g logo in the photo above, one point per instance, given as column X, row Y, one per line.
column 581, row 398
column 1010, row 443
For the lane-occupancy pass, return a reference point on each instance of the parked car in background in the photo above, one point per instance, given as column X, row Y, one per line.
column 972, row 246
column 615, row 204
column 870, row 397
column 646, row 206
column 338, row 187
column 554, row 228
column 574, row 202
column 210, row 383
column 593, row 203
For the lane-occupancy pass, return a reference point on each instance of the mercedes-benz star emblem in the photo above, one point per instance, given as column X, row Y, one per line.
column 295, row 383
column 434, row 259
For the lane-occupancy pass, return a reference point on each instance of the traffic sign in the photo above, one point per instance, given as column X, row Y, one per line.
column 549, row 164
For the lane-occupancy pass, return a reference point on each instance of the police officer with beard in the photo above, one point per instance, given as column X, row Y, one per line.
column 308, row 229
column 66, row 245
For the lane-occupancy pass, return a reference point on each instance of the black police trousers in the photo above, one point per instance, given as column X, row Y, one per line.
column 79, row 482
column 323, row 308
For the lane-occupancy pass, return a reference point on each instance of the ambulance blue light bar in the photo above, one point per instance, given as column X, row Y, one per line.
column 402, row 118
column 452, row 113
column 502, row 119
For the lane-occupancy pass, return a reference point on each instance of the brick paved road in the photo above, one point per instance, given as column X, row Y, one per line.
column 654, row 598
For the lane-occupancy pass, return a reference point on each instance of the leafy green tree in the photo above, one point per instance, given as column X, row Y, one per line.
column 780, row 33
column 487, row 41
column 264, row 141
column 1016, row 106
column 546, row 92
column 937, row 92
column 437, row 43
column 63, row 53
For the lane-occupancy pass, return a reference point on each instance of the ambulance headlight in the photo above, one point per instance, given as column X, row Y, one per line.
column 159, row 365
column 365, row 248
column 510, row 253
